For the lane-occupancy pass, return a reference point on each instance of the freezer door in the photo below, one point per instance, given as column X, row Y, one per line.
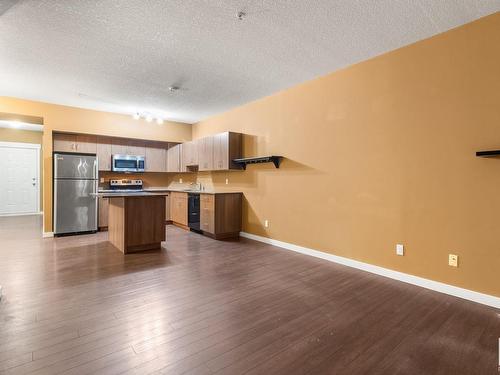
column 75, row 166
column 75, row 206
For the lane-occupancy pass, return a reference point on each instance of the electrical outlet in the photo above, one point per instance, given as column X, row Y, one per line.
column 180, row 180
column 400, row 249
column 102, row 180
column 227, row 181
column 266, row 223
column 453, row 260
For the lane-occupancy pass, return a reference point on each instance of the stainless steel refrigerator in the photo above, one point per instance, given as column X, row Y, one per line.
column 75, row 188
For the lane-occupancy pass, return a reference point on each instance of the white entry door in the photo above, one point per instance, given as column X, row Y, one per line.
column 19, row 178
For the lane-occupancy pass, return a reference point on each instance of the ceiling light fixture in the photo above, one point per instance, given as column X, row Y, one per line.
column 148, row 117
column 241, row 15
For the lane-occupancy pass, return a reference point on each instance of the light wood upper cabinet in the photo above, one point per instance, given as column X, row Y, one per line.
column 119, row 146
column 189, row 154
column 86, row 143
column 179, row 208
column 213, row 153
column 83, row 143
column 104, row 153
column 206, row 154
column 226, row 147
column 174, row 158
column 156, row 157
column 64, row 142
column 136, row 147
column 123, row 146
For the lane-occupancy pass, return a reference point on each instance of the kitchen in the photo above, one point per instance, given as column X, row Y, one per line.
column 129, row 174
column 228, row 187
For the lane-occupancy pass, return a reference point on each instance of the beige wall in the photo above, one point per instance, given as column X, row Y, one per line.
column 22, row 136
column 25, row 136
column 382, row 153
column 70, row 119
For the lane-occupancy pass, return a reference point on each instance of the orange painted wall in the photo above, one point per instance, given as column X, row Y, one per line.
column 381, row 153
column 70, row 119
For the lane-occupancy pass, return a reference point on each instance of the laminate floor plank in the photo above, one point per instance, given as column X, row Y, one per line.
column 75, row 306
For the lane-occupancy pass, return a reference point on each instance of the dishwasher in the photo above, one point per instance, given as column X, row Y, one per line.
column 194, row 212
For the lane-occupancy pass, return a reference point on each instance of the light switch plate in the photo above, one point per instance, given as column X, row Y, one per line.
column 227, row 181
column 453, row 260
column 266, row 223
column 400, row 249
column 180, row 180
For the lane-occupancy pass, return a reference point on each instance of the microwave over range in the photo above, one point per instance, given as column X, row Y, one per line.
column 127, row 163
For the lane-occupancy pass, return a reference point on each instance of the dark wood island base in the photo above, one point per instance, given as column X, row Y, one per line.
column 137, row 222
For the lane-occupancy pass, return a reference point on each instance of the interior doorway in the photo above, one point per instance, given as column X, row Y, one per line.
column 20, row 179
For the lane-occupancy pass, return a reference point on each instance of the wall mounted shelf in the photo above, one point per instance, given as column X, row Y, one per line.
column 488, row 154
column 276, row 160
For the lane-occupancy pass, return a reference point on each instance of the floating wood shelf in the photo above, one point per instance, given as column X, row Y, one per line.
column 276, row 160
column 488, row 154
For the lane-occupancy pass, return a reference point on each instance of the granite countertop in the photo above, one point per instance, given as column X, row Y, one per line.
column 121, row 194
column 156, row 191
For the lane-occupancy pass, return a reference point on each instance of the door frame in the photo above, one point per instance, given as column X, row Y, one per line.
column 35, row 146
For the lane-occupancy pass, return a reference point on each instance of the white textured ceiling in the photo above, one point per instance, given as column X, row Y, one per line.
column 122, row 55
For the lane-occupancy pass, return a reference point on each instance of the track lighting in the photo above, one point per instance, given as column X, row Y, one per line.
column 148, row 117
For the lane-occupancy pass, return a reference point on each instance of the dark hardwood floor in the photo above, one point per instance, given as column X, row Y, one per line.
column 76, row 305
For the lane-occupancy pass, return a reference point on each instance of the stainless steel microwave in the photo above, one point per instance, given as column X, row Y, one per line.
column 127, row 163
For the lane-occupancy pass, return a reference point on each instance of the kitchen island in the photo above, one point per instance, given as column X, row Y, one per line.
column 136, row 220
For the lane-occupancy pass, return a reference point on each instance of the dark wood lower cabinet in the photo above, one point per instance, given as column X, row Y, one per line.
column 137, row 223
column 220, row 215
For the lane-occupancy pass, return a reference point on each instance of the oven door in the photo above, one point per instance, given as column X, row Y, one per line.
column 124, row 163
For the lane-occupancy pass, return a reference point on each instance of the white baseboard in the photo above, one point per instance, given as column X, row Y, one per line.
column 22, row 214
column 47, row 234
column 437, row 286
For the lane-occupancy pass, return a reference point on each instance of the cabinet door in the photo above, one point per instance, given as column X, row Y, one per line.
column 173, row 159
column 136, row 147
column 104, row 153
column 186, row 155
column 168, row 215
column 119, row 146
column 206, row 154
column 86, row 143
column 221, row 151
column 103, row 212
column 179, row 208
column 156, row 158
column 65, row 142
column 190, row 153
column 207, row 213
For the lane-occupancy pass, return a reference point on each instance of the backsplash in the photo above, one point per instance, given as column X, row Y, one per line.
column 149, row 179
